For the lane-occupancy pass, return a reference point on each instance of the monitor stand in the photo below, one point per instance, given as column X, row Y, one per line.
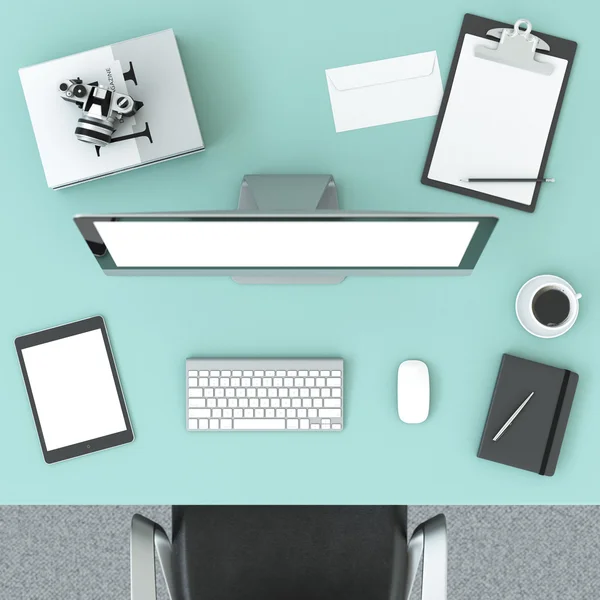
column 291, row 194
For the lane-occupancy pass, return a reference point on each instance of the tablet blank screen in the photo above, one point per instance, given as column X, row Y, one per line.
column 74, row 390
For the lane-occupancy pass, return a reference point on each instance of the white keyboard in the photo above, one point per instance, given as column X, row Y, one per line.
column 264, row 394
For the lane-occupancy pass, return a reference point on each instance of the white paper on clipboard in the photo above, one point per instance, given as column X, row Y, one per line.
column 496, row 123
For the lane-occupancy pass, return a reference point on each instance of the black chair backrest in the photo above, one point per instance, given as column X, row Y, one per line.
column 289, row 552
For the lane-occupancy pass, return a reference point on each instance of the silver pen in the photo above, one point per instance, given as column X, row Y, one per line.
column 512, row 418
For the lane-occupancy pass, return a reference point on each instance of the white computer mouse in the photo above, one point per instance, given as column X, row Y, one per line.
column 413, row 391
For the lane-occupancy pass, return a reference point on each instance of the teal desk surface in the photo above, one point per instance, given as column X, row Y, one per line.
column 257, row 75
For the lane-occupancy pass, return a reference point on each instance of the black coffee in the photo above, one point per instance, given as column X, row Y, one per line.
column 551, row 307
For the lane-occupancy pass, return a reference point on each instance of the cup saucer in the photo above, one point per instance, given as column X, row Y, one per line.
column 523, row 307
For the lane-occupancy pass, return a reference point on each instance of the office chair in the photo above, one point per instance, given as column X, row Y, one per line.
column 288, row 553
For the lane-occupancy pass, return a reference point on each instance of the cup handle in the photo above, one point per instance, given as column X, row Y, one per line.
column 577, row 296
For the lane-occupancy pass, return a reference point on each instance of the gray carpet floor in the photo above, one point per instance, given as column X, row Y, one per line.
column 495, row 552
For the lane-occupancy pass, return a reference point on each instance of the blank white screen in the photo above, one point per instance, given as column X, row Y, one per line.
column 309, row 244
column 73, row 389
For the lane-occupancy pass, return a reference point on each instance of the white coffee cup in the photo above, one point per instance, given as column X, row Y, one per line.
column 525, row 299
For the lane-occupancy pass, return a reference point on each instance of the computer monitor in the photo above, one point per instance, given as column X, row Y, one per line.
column 291, row 245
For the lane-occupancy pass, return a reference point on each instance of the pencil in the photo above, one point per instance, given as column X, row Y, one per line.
column 509, row 180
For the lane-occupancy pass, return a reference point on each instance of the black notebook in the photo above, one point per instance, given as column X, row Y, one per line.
column 533, row 440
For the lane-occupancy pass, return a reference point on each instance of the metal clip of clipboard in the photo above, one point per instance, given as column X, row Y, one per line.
column 517, row 48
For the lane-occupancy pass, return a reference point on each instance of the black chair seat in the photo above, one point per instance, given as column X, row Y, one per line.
column 289, row 552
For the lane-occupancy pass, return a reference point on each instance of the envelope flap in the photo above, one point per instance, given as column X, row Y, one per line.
column 383, row 71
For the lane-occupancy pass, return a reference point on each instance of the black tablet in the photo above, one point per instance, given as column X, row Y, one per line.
column 74, row 389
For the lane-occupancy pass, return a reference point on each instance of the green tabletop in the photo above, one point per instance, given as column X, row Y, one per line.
column 256, row 73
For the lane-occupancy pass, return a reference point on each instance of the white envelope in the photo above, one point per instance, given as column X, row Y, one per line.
column 385, row 91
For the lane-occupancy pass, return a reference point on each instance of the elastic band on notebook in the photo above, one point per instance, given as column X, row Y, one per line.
column 555, row 419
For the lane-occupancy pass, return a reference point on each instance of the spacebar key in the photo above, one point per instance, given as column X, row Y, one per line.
column 254, row 424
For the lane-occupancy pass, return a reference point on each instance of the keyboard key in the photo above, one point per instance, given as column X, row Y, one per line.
column 288, row 382
column 337, row 392
column 222, row 402
column 259, row 413
column 325, row 392
column 213, row 382
column 202, row 423
column 269, row 413
column 294, row 393
column 225, row 373
column 213, row 424
column 336, row 373
column 238, row 413
column 283, row 392
column 199, row 413
column 203, row 373
column 304, row 424
column 227, row 413
column 226, row 424
column 247, row 373
column 214, row 373
column 336, row 426
column 309, row 382
column 320, row 382
column 193, row 382
column 240, row 392
column 236, row 373
column 254, row 424
column 286, row 402
column 211, row 402
column 299, row 382
column 291, row 413
column 262, row 393
column 302, row 413
column 192, row 424
column 243, row 402
column 325, row 373
column 292, row 424
column 246, row 381
column 209, row 392
column 313, row 373
column 334, row 382
column 269, row 374
column 259, row 373
column 325, row 426
column 304, row 392
column 224, row 382
column 192, row 373
column 217, row 413
column 330, row 412
column 328, row 421
column 317, row 402
column 280, row 373
column 229, row 393
column 272, row 393
column 267, row 381
column 292, row 373
column 197, row 402
column 315, row 426
column 296, row 402
column 278, row 382
column 235, row 382
column 275, row 402
column 315, row 392
column 197, row 393
column 203, row 382
column 312, row 413
column 264, row 403
column 232, row 402
column 253, row 402
column 256, row 382
column 332, row 403
column 251, row 393
column 219, row 393
column 302, row 373
column 248, row 413
column 280, row 412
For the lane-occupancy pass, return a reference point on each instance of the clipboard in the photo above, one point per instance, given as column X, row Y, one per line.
column 499, row 111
